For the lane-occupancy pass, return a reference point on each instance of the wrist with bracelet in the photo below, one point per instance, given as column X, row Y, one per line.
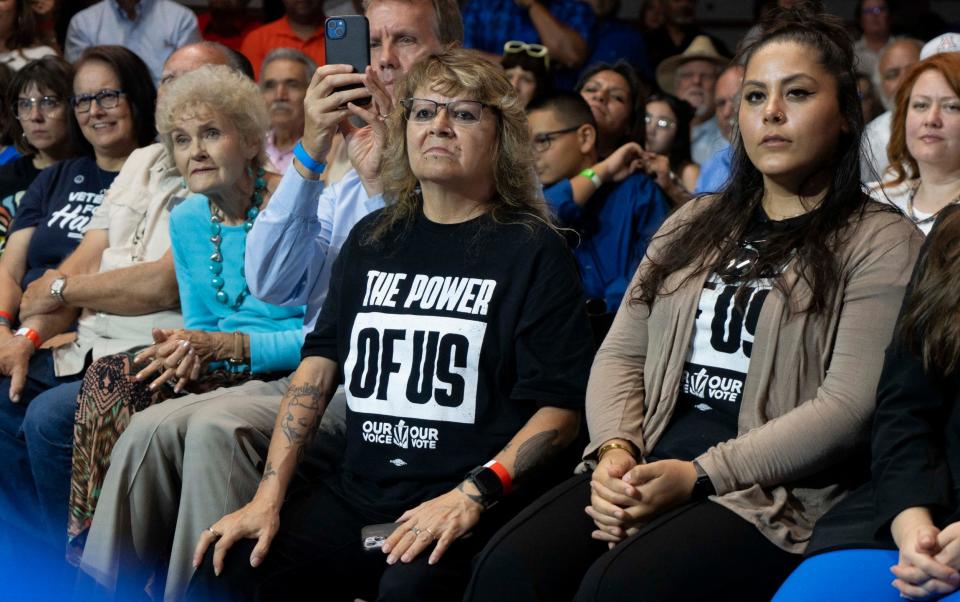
column 307, row 160
column 606, row 447
column 30, row 334
column 6, row 319
column 492, row 481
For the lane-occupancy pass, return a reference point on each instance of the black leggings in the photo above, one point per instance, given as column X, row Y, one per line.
column 699, row 551
column 317, row 555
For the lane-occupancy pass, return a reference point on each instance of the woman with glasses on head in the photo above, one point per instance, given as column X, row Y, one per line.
column 39, row 102
column 457, row 321
column 615, row 95
column 668, row 146
column 528, row 68
column 730, row 395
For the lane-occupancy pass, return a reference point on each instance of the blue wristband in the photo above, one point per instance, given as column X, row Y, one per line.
column 309, row 162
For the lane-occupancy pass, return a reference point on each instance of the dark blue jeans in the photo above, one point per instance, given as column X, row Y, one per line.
column 36, row 443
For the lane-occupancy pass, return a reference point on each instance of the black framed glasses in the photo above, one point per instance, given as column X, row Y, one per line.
column 105, row 99
column 660, row 123
column 23, row 107
column 462, row 112
column 541, row 142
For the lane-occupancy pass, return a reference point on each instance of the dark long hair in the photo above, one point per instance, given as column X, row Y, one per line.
column 636, row 132
column 24, row 33
column 710, row 237
column 930, row 326
column 137, row 84
column 679, row 154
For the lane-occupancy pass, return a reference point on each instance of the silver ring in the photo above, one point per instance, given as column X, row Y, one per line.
column 416, row 531
column 215, row 533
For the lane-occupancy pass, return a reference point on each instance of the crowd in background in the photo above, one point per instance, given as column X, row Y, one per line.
column 540, row 297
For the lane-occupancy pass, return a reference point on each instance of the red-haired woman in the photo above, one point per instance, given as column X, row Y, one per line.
column 924, row 149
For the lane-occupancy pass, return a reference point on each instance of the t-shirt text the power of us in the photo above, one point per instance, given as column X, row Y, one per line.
column 443, row 293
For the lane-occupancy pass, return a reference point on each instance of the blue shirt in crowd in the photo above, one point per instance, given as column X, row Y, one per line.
column 59, row 204
column 706, row 140
column 489, row 24
column 615, row 226
column 9, row 154
column 615, row 40
column 159, row 28
column 294, row 242
column 715, row 172
column 275, row 332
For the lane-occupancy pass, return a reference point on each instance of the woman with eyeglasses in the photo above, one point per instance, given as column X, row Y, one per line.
column 924, row 150
column 528, row 68
column 111, row 113
column 39, row 104
column 729, row 398
column 872, row 18
column 615, row 95
column 668, row 146
column 456, row 319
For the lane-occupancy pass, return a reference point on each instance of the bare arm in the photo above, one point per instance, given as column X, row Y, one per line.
column 302, row 406
column 545, row 435
column 13, row 265
column 566, row 46
column 132, row 291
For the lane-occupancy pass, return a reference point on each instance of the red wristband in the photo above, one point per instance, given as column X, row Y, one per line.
column 4, row 314
column 31, row 334
column 505, row 479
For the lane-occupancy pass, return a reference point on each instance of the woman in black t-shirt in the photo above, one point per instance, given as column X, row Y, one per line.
column 39, row 109
column 457, row 321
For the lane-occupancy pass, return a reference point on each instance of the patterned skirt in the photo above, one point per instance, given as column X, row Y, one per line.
column 108, row 399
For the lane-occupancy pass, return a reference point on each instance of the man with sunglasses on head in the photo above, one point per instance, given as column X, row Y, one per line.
column 612, row 204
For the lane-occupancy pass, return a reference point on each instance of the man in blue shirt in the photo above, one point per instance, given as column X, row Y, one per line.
column 716, row 171
column 614, row 207
column 152, row 29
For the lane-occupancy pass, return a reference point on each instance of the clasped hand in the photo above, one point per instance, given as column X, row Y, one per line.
column 624, row 494
column 929, row 559
column 177, row 356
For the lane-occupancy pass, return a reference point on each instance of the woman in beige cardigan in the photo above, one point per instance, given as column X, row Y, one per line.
column 727, row 402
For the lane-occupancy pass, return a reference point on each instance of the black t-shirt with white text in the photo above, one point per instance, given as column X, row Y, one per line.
column 449, row 338
column 15, row 178
column 721, row 344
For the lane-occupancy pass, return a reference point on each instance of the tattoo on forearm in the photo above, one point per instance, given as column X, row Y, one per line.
column 299, row 423
column 268, row 471
column 476, row 498
column 535, row 451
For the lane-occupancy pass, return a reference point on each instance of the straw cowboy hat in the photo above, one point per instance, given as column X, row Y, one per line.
column 700, row 49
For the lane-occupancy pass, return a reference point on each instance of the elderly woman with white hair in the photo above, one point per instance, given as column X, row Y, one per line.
column 212, row 121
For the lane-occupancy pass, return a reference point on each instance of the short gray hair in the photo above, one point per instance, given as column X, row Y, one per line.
column 290, row 54
column 447, row 20
column 223, row 90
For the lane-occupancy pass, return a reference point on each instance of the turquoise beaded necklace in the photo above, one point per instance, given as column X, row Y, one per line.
column 216, row 237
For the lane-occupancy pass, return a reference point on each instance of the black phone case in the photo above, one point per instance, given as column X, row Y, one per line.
column 351, row 49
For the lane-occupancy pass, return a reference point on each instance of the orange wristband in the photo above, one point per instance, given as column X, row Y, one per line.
column 4, row 314
column 505, row 479
column 31, row 334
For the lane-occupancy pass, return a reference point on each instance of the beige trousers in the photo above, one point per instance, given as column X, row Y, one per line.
column 179, row 467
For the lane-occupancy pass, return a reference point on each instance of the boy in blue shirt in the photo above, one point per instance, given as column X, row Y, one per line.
column 613, row 206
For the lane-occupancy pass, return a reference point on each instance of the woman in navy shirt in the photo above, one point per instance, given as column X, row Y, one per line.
column 111, row 115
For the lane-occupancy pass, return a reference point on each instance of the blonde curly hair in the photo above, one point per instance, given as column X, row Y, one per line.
column 219, row 89
column 465, row 74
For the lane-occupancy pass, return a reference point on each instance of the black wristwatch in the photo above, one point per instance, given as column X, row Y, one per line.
column 487, row 483
column 703, row 486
